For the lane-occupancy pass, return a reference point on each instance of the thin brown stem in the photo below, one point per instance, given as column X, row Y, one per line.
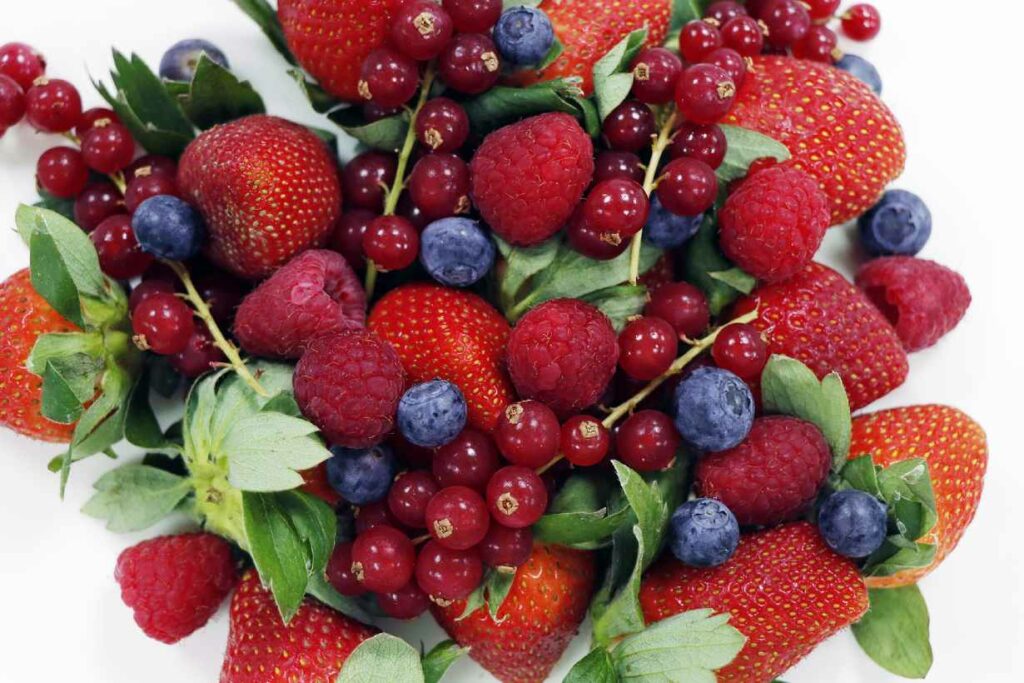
column 661, row 143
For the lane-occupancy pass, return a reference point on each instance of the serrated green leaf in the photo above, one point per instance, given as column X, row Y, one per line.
column 702, row 257
column 265, row 16
column 154, row 140
column 74, row 249
column 59, row 401
column 685, row 11
column 145, row 93
column 383, row 658
column 216, row 95
column 860, row 473
column 437, row 662
column 315, row 523
column 596, row 667
column 386, row 134
column 134, row 497
column 746, row 146
column 906, row 486
column 892, row 559
column 622, row 614
column 736, row 278
column 266, row 452
column 619, row 303
column 51, row 279
column 521, row 264
column 895, row 631
column 62, row 344
column 319, row 588
column 612, row 78
column 579, row 516
column 503, row 105
column 491, row 593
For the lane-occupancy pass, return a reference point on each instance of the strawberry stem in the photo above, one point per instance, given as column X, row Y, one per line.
column 661, row 143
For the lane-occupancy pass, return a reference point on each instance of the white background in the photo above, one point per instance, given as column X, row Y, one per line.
column 951, row 75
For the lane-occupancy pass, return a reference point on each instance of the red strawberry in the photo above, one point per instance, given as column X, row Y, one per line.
column 24, row 316
column 442, row 333
column 957, row 453
column 836, row 128
column 541, row 614
column 311, row 649
column 823, row 321
column 590, row 28
column 785, row 589
column 331, row 38
column 267, row 188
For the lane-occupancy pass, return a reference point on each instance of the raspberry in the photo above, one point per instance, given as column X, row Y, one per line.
column 349, row 385
column 528, row 177
column 922, row 299
column 174, row 584
column 773, row 476
column 774, row 222
column 563, row 353
column 316, row 293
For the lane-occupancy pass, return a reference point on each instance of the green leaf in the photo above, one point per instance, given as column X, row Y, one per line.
column 319, row 588
column 744, row 148
column 895, row 631
column 612, row 77
column 58, row 345
column 557, row 48
column 59, row 401
column 217, row 96
column 437, row 662
column 596, row 667
column 509, row 4
column 141, row 427
column 892, row 559
column 621, row 614
column 65, row 207
column 267, row 451
column 579, row 516
column 702, row 257
column 154, row 140
column 51, row 279
column 736, row 278
column 386, row 134
column 135, row 497
column 861, row 474
column 315, row 523
column 907, row 486
column 265, row 17
column 521, row 264
column 685, row 11
column 383, row 658
column 619, row 303
column 491, row 593
column 321, row 100
column 503, row 105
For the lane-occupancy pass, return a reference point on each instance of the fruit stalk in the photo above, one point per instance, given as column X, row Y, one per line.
column 661, row 143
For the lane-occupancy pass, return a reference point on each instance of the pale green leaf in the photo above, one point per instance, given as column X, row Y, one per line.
column 383, row 658
column 895, row 631
column 134, row 497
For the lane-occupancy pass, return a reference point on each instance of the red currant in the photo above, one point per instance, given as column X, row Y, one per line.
column 629, row 127
column 442, row 125
column 21, row 63
column 516, row 497
column 862, row 22
column 697, row 39
column 688, row 187
column 53, row 106
column 152, row 164
column 146, row 289
column 391, row 243
column 740, row 350
column 617, row 207
column 108, row 147
column 200, row 355
column 388, row 77
column 787, row 22
column 411, row 454
column 592, row 243
column 731, row 62
column 406, row 603
column 822, row 9
column 473, row 16
column 97, row 202
column 347, row 238
column 470, row 460
column 527, row 434
column 409, row 496
column 745, row 35
column 647, row 441
column 648, row 346
column 374, row 515
column 756, row 8
column 704, row 143
column 611, row 164
column 421, row 29
column 407, row 209
column 61, row 172
column 439, row 186
column 163, row 323
column 683, row 306
column 119, row 252
column 585, row 441
column 446, row 574
column 92, row 117
column 366, row 179
column 818, row 45
column 457, row 517
column 705, row 93
column 655, row 72
column 724, row 10
column 143, row 187
column 374, row 112
column 339, row 571
column 383, row 559
column 505, row 548
column 470, row 63
column 222, row 293
column 12, row 102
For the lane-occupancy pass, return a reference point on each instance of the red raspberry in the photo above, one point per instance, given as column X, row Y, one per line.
column 563, row 353
column 528, row 177
column 316, row 293
column 771, row 477
column 174, row 584
column 774, row 222
column 922, row 299
column 348, row 385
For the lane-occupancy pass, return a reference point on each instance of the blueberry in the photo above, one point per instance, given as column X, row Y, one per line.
column 168, row 228
column 666, row 230
column 704, row 533
column 862, row 69
column 853, row 523
column 180, row 60
column 432, row 414
column 456, row 252
column 714, row 409
column 898, row 225
column 362, row 475
column 524, row 35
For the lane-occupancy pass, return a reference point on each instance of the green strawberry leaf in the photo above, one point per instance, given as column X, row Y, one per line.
column 557, row 48
column 736, row 278
column 321, row 100
column 596, row 667
column 65, row 207
column 685, row 11
column 437, row 662
column 701, row 258
column 319, row 588
column 744, row 148
column 383, row 658
column 503, row 105
column 141, row 427
column 216, row 95
column 907, row 487
column 619, row 303
column 893, row 558
column 491, row 593
column 509, row 4
column 58, row 345
column 521, row 264
column 612, row 78
column 135, row 497
column 386, row 134
column 580, row 516
column 860, row 473
column 265, row 16
column 68, row 383
column 895, row 631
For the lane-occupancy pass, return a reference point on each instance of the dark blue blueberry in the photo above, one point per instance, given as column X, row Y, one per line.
column 456, row 252
column 524, row 35
column 168, row 228
column 898, row 225
column 862, row 69
column 704, row 533
column 714, row 409
column 180, row 60
column 853, row 523
column 666, row 230
column 362, row 475
column 432, row 414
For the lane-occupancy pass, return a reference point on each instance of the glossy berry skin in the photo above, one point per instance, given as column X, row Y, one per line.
column 822, row 9
column 151, row 164
column 12, row 102
column 468, row 460
column 347, row 238
column 146, row 289
column 688, row 187
column 431, row 414
column 647, row 347
column 527, row 434
column 647, row 441
column 62, row 172
column 439, row 186
column 362, row 475
column 705, row 93
column 697, row 39
column 853, row 523
column 374, row 514
column 447, row 574
column 655, row 72
column 610, row 164
column 617, row 207
column 456, row 251
column 168, row 228
column 96, row 116
column 585, row 441
column 898, row 225
column 391, row 243
column 119, row 252
column 818, row 45
column 21, row 63
column 364, row 179
column 163, row 324
column 408, row 497
column 457, row 517
column 585, row 239
column 199, row 355
column 743, row 34
column 788, row 22
column 388, row 78
column 861, row 22
column 740, row 350
column 473, row 16
column 731, row 62
column 470, row 63
column 421, row 29
column 53, row 105
column 516, row 497
column 383, row 559
column 442, row 125
column 714, row 409
column 863, row 70
column 108, row 148
column 629, row 127
column 339, row 571
column 143, row 187
column 703, row 143
column 406, row 603
column 724, row 10
column 703, row 533
column 683, row 306
column 524, row 35
column 505, row 548
column 180, row 61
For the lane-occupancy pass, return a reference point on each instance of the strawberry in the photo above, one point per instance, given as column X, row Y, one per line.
column 267, row 188
column 24, row 316
column 957, row 453
column 588, row 29
column 442, row 333
column 261, row 649
column 541, row 614
column 822, row 320
column 331, row 38
column 785, row 589
column 835, row 127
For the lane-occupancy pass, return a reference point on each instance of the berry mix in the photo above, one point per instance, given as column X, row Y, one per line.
column 552, row 344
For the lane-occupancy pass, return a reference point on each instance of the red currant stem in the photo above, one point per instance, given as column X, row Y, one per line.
column 554, row 461
column 203, row 311
column 116, row 178
column 75, row 140
column 661, row 143
column 419, row 540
